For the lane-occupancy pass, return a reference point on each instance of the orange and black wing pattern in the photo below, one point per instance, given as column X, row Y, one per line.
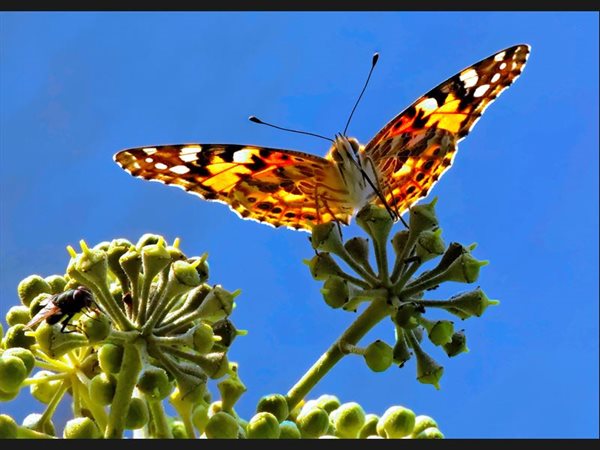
column 415, row 148
column 277, row 187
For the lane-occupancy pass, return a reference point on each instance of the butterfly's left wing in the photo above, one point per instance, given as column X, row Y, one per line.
column 273, row 186
column 416, row 147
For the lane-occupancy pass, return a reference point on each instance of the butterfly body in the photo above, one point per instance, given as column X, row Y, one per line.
column 395, row 169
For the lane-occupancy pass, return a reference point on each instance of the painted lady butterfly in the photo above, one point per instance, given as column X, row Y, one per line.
column 395, row 169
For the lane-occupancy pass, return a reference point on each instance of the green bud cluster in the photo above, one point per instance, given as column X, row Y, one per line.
column 154, row 330
column 399, row 288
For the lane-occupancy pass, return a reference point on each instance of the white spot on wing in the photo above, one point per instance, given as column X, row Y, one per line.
column 149, row 151
column 496, row 77
column 481, row 90
column 188, row 157
column 160, row 166
column 503, row 66
column 149, row 160
column 428, row 104
column 180, row 170
column 500, row 56
column 242, row 156
column 190, row 149
column 469, row 77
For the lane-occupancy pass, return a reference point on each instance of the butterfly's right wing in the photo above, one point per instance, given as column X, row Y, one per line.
column 273, row 186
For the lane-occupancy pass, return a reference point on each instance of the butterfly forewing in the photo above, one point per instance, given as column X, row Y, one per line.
column 415, row 148
column 278, row 187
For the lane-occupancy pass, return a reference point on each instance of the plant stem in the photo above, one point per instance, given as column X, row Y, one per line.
column 161, row 426
column 371, row 316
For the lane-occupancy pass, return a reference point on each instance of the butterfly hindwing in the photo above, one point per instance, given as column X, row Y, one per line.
column 278, row 187
column 417, row 146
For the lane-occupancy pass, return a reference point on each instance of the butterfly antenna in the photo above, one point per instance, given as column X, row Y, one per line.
column 257, row 120
column 375, row 58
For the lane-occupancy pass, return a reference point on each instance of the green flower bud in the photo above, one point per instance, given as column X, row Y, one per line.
column 406, row 315
column 378, row 356
column 396, row 422
column 275, row 404
column 218, row 304
column 190, row 388
column 464, row 269
column 457, row 345
column 326, row 237
column 336, row 291
column 148, row 239
column 102, row 388
column 44, row 391
column 31, row 287
column 430, row 245
column 358, row 248
column 400, row 352
column 399, row 241
column 89, row 265
column 203, row 338
column 348, row 420
column 57, row 283
column 472, row 303
column 178, row 430
column 96, row 327
column 263, row 425
column 221, row 426
column 202, row 268
column 110, row 357
column 430, row 433
column 231, row 389
column 90, row 365
column 8, row 427
column 33, row 422
column 453, row 251
column 428, row 371
column 184, row 275
column 137, row 414
column 17, row 314
column 12, row 373
column 289, row 430
column 131, row 264
column 18, row 336
column 328, row 402
column 369, row 428
column 439, row 331
column 81, row 428
column 36, row 304
column 200, row 416
column 376, row 221
column 194, row 298
column 313, row 423
column 116, row 249
column 422, row 423
column 225, row 329
column 8, row 396
column 423, row 218
column 154, row 383
column 215, row 364
column 323, row 266
column 214, row 408
column 25, row 355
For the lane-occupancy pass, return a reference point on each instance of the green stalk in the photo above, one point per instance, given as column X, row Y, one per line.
column 161, row 426
column 371, row 316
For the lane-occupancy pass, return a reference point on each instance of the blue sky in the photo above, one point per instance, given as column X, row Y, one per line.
column 77, row 87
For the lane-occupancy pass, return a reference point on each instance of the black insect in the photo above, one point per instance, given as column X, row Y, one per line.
column 64, row 306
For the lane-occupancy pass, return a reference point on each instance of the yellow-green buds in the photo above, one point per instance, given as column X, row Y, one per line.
column 200, row 416
column 399, row 241
column 231, row 389
column 137, row 414
column 57, row 283
column 102, row 388
column 464, row 269
column 96, row 327
column 407, row 314
column 439, row 331
column 312, row 422
column 275, row 404
column 34, row 422
column 429, row 245
column 428, row 371
column 17, row 314
column 12, row 373
column 400, row 351
column 154, row 383
column 263, row 425
column 472, row 303
column 18, row 336
column 369, row 428
column 25, row 355
column 81, row 428
column 422, row 423
column 348, row 419
column 378, row 356
column 110, row 357
column 336, row 291
column 396, row 422
column 326, row 237
column 457, row 345
column 376, row 221
column 430, row 433
column 43, row 391
column 222, row 426
column 55, row 343
column 423, row 218
column 8, row 427
column 31, row 287
column 218, row 304
column 203, row 338
column 289, row 430
column 323, row 266
column 328, row 402
column 358, row 249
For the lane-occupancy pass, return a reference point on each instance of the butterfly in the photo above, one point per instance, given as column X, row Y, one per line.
column 395, row 169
